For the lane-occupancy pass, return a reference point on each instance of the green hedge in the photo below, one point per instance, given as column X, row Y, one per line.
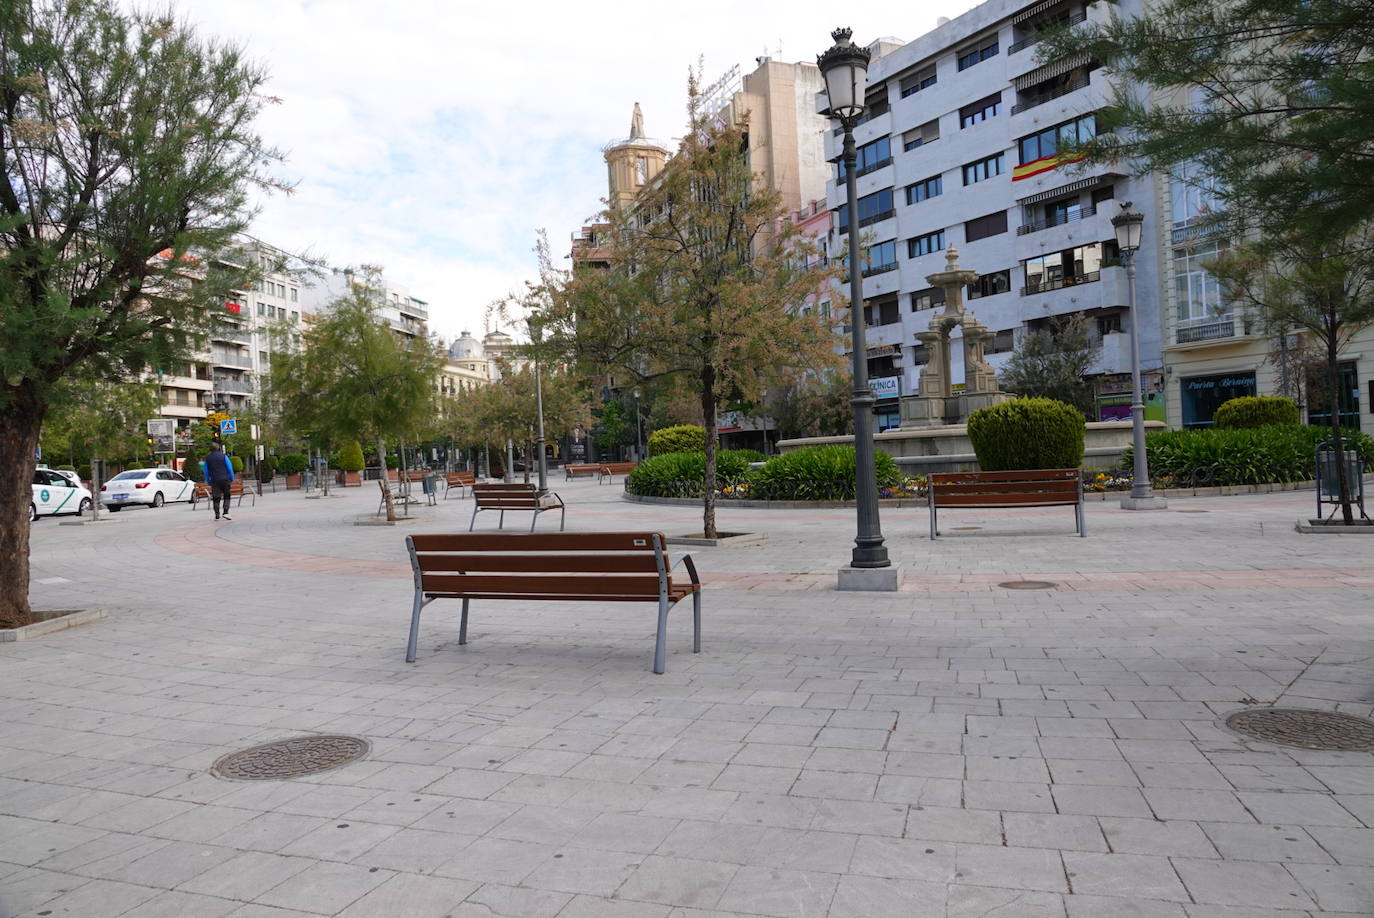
column 684, row 474
column 292, row 463
column 1027, row 433
column 684, row 438
column 1251, row 411
column 1261, row 455
column 350, row 457
column 817, row 473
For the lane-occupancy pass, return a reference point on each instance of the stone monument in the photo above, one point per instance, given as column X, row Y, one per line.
column 935, row 402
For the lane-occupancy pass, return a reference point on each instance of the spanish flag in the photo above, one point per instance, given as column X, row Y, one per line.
column 1043, row 164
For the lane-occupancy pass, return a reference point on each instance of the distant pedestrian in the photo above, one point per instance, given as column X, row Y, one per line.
column 219, row 472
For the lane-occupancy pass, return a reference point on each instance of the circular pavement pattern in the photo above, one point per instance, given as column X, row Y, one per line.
column 1028, row 584
column 1307, row 729
column 300, row 755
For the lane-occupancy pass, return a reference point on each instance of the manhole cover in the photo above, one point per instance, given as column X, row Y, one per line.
column 1308, row 729
column 1028, row 585
column 301, row 755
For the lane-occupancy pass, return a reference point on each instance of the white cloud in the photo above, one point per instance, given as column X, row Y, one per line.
column 435, row 138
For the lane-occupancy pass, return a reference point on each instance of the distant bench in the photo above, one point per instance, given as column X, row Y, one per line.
column 566, row 567
column 459, row 480
column 236, row 489
column 577, row 469
column 1032, row 488
column 505, row 497
column 611, row 469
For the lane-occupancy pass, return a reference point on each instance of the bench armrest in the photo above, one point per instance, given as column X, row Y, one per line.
column 686, row 560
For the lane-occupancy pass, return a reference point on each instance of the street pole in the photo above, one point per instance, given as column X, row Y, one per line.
column 639, row 433
column 539, row 442
column 1128, row 240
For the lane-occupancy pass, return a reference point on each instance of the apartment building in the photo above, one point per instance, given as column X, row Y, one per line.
column 960, row 146
column 407, row 314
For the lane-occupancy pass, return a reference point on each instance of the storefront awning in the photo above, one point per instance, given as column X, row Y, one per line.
column 1052, row 69
column 1035, row 9
column 1070, row 188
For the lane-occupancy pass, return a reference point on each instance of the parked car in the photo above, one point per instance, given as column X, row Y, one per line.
column 54, row 493
column 71, row 476
column 148, row 487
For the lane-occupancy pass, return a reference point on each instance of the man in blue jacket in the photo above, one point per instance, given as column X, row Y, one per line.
column 219, row 471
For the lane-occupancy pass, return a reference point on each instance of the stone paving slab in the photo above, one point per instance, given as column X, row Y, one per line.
column 955, row 749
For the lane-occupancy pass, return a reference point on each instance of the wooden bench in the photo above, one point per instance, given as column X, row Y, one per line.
column 236, row 489
column 459, row 480
column 611, row 469
column 1032, row 488
column 577, row 469
column 565, row 567
column 505, row 497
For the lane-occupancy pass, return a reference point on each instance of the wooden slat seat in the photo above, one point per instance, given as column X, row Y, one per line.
column 514, row 496
column 611, row 469
column 1028, row 488
column 551, row 567
column 236, row 489
column 578, row 469
column 459, row 480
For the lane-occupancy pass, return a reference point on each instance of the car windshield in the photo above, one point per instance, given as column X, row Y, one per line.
column 128, row 476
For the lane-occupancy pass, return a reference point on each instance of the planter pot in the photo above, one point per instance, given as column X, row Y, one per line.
column 352, row 479
column 293, row 482
column 393, row 475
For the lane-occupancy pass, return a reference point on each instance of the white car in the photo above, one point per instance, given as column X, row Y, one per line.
column 150, row 487
column 54, row 493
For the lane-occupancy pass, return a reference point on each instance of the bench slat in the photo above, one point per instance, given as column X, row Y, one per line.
column 1005, row 500
column 552, row 541
column 1018, row 475
column 1069, row 488
column 541, row 585
column 675, row 593
column 639, row 562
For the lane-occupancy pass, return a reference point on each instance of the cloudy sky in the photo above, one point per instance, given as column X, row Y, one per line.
column 435, row 138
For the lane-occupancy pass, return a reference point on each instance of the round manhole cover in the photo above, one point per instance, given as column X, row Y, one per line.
column 1308, row 729
column 1028, row 585
column 301, row 755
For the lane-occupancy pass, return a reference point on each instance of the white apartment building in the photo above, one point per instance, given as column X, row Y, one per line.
column 406, row 314
column 959, row 146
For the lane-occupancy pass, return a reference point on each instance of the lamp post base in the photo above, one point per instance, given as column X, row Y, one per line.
column 1144, row 503
column 870, row 579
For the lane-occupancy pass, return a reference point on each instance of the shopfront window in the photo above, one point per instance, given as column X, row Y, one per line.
column 1203, row 395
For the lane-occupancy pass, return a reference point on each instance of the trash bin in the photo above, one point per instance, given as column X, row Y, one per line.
column 1328, row 477
column 429, row 484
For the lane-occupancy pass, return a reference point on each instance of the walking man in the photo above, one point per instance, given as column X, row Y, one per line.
column 219, row 471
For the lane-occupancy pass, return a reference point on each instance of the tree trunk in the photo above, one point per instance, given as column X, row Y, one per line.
column 708, row 410
column 1333, row 383
column 386, row 490
column 20, row 423
column 527, row 450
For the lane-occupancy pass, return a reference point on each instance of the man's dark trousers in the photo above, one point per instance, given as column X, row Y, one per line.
column 219, row 492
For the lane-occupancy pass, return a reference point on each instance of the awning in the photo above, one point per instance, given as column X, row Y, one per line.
column 1052, row 69
column 1035, row 9
column 1070, row 188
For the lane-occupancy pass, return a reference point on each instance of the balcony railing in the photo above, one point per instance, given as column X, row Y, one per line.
column 1029, row 40
column 1058, row 92
column 1061, row 282
column 232, row 334
column 1208, row 328
column 1068, row 216
column 225, row 384
column 879, row 269
column 242, row 362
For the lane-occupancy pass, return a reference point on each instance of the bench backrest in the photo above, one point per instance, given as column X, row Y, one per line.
column 416, row 474
column 460, row 478
column 560, row 563
column 576, row 467
column 499, row 496
column 1028, row 488
column 618, row 467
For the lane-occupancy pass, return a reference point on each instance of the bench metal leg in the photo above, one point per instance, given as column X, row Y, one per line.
column 932, row 521
column 534, row 519
column 475, row 508
column 414, row 626
column 501, row 524
column 696, row 622
column 562, row 516
column 661, row 644
column 463, row 625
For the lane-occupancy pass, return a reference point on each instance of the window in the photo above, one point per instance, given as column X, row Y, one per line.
column 825, row 309
column 872, row 208
column 1079, row 265
column 1003, row 341
column 990, row 285
column 295, row 316
column 1191, row 195
column 869, row 157
column 1048, row 142
column 882, row 311
column 921, row 79
column 1103, row 195
column 928, row 298
column 978, row 53
column 920, row 355
column 881, row 257
column 927, row 188
column 1203, row 395
column 984, row 168
column 262, row 309
column 983, row 227
column 1199, row 293
column 980, row 111
column 920, row 136
column 295, row 294
column 1109, row 324
column 924, row 245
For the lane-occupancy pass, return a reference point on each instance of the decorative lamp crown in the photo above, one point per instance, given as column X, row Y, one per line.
column 845, row 68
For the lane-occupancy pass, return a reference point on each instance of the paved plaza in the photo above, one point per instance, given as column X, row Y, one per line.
column 955, row 749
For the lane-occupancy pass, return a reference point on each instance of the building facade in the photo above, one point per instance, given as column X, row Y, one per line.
column 960, row 146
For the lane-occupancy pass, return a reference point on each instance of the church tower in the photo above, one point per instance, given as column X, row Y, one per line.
column 633, row 162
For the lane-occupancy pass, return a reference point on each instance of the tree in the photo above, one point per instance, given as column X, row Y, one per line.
column 705, row 271
column 1054, row 363
column 812, row 405
column 90, row 419
column 1263, row 108
column 354, row 377
column 123, row 136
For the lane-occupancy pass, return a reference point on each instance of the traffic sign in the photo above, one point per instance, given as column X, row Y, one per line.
column 228, row 426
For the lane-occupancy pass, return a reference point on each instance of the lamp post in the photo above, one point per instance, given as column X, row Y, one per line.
column 639, row 432
column 845, row 68
column 539, row 441
column 1128, row 225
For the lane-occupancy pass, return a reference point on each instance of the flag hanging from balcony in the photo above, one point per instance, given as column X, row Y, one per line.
column 1043, row 164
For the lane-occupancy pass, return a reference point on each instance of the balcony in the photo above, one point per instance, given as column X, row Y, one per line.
column 1049, row 96
column 879, row 269
column 1208, row 328
column 1060, row 283
column 1029, row 40
column 1066, row 217
column 242, row 336
column 414, row 308
column 225, row 384
column 238, row 361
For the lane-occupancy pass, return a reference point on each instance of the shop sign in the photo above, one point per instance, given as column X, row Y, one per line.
column 886, row 386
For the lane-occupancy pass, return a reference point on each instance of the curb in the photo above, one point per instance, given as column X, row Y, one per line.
column 55, row 621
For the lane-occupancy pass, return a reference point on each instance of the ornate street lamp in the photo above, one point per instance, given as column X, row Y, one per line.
column 1129, row 225
column 845, row 68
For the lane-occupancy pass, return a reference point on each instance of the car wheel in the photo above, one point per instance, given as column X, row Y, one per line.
column 33, row 513
column 157, row 500
column 85, row 507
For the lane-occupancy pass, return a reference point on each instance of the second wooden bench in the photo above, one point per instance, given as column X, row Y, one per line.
column 1030, row 488
column 505, row 497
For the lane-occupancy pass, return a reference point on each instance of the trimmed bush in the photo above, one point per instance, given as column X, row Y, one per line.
column 752, row 455
column 1259, row 455
column 1028, row 433
column 1251, row 411
column 191, row 468
column 351, row 457
column 292, row 463
column 237, row 463
column 267, row 468
column 818, row 473
column 684, row 438
column 684, row 474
